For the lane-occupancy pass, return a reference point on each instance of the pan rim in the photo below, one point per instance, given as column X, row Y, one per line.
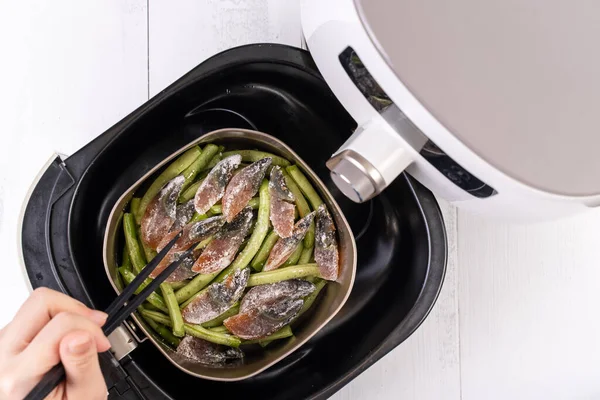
column 258, row 137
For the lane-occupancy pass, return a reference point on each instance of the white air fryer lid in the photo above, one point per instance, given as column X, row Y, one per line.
column 517, row 82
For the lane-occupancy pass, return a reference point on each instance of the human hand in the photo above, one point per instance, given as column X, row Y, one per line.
column 48, row 328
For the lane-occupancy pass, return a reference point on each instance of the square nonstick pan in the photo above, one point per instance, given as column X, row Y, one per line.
column 329, row 303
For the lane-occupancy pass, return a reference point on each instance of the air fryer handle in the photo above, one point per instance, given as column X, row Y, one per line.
column 369, row 160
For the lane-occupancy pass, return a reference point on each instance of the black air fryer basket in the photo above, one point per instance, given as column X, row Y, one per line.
column 277, row 90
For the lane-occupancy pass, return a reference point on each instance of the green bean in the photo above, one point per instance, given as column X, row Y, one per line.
column 173, row 307
column 178, row 285
column 214, row 161
column 125, row 260
column 283, row 274
column 156, row 316
column 306, row 255
column 197, row 217
column 174, row 169
column 218, row 209
column 129, row 276
column 301, row 203
column 283, row 333
column 214, row 337
column 219, row 320
column 255, row 155
column 303, row 209
column 204, row 243
column 219, row 329
column 309, row 238
column 157, row 301
column 134, row 205
column 294, row 257
column 148, row 306
column 198, row 283
column 202, row 175
column 244, row 243
column 265, row 250
column 135, row 252
column 149, row 253
column 190, row 192
column 154, row 298
column 310, row 299
column 305, row 186
column 164, row 332
column 195, row 330
column 190, row 173
column 258, row 234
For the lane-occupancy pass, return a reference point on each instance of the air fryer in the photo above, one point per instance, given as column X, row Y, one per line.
column 278, row 90
column 488, row 104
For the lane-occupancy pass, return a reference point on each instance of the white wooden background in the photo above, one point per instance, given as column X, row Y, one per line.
column 518, row 317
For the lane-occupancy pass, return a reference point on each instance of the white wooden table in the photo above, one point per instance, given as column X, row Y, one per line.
column 518, row 317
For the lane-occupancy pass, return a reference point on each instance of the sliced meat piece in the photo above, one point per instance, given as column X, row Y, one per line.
column 205, row 352
column 201, row 230
column 243, row 186
column 282, row 217
column 286, row 246
column 213, row 186
column 161, row 213
column 278, row 187
column 263, row 321
column 282, row 204
column 326, row 246
column 184, row 271
column 183, row 214
column 221, row 251
column 217, row 298
column 168, row 237
column 260, row 295
column 192, row 234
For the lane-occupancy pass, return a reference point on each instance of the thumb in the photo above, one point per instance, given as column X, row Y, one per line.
column 80, row 358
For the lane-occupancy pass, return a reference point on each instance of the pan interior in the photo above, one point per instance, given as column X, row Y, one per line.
column 328, row 303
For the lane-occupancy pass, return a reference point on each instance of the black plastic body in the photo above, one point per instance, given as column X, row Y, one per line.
column 275, row 89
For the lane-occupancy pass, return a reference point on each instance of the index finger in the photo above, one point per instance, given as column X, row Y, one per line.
column 38, row 310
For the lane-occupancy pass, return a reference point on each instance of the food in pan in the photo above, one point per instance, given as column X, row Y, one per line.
column 264, row 246
column 285, row 248
column 282, row 204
